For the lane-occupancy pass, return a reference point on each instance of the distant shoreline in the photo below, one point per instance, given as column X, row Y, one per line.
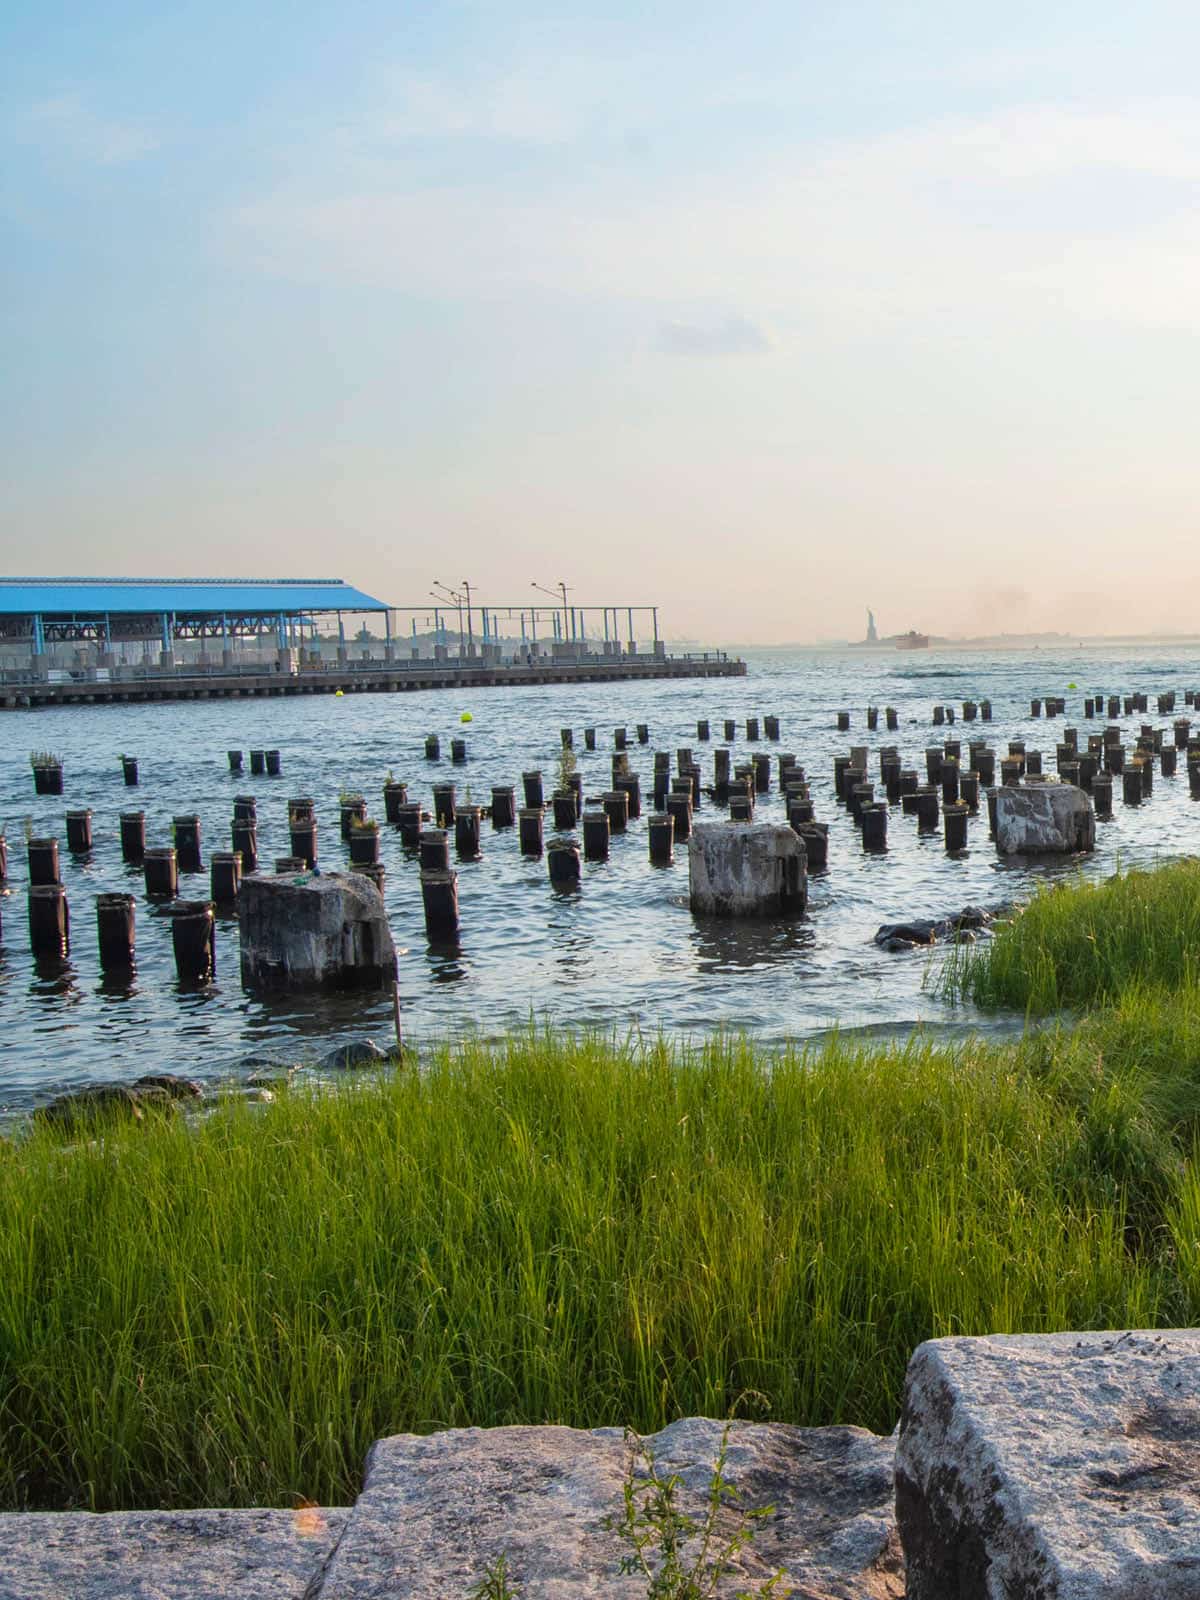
column 1013, row 642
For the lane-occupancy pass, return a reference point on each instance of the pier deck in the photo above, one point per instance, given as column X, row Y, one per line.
column 382, row 677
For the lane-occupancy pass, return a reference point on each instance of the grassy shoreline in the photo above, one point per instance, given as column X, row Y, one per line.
column 228, row 1311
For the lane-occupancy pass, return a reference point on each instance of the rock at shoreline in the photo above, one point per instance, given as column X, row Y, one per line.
column 175, row 1087
column 1057, row 1466
column 436, row 1511
column 123, row 1100
column 961, row 928
column 1044, row 819
column 314, row 932
column 361, row 1053
column 746, row 869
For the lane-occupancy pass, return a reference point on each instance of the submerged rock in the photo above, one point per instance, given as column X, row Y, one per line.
column 904, row 935
column 961, row 927
column 360, row 1053
column 175, row 1087
column 274, row 1075
column 121, row 1100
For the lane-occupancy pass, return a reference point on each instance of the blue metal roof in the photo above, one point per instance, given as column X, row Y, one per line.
column 182, row 596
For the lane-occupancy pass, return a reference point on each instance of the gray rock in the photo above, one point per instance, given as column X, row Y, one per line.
column 437, row 1511
column 280, row 1078
column 121, row 1100
column 166, row 1555
column 1044, row 819
column 175, row 1087
column 961, row 927
column 1054, row 1466
column 746, row 869
column 314, row 932
column 907, row 934
column 974, row 917
column 361, row 1053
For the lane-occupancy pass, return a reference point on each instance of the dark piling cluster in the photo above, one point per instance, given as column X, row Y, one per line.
column 964, row 787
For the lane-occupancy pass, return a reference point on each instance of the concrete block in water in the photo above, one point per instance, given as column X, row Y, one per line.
column 167, row 1555
column 1044, row 819
column 437, row 1511
column 1057, row 1466
column 746, row 869
column 314, row 932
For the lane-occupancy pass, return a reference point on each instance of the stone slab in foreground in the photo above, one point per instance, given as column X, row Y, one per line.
column 166, row 1555
column 436, row 1511
column 1052, row 1467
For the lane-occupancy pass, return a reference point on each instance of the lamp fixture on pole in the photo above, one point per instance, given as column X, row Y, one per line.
column 559, row 589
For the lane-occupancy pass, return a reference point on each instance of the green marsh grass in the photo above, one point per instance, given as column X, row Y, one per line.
column 227, row 1311
column 1083, row 944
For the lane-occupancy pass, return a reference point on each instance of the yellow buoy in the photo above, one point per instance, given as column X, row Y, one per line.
column 466, row 717
column 337, row 694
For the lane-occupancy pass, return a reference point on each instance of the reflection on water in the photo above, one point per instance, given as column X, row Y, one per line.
column 622, row 950
column 118, row 984
column 445, row 961
column 726, row 945
column 194, row 992
column 54, row 980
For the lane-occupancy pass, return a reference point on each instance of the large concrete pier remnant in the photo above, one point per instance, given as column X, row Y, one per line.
column 308, row 932
column 1044, row 819
column 746, row 869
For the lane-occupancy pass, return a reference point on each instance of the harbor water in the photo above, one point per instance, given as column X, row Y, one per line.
column 624, row 953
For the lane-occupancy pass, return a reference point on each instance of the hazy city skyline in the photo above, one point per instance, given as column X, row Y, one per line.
column 763, row 315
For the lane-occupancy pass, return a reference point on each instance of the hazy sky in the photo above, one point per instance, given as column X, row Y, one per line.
column 763, row 312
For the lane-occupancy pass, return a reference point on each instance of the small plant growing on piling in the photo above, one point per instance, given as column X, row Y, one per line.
column 681, row 1556
column 567, row 766
column 349, row 797
column 45, row 758
column 363, row 825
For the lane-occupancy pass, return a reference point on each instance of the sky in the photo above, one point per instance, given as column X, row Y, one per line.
column 763, row 313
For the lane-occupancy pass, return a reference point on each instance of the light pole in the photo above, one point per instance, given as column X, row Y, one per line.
column 559, row 589
column 470, row 633
column 456, row 597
